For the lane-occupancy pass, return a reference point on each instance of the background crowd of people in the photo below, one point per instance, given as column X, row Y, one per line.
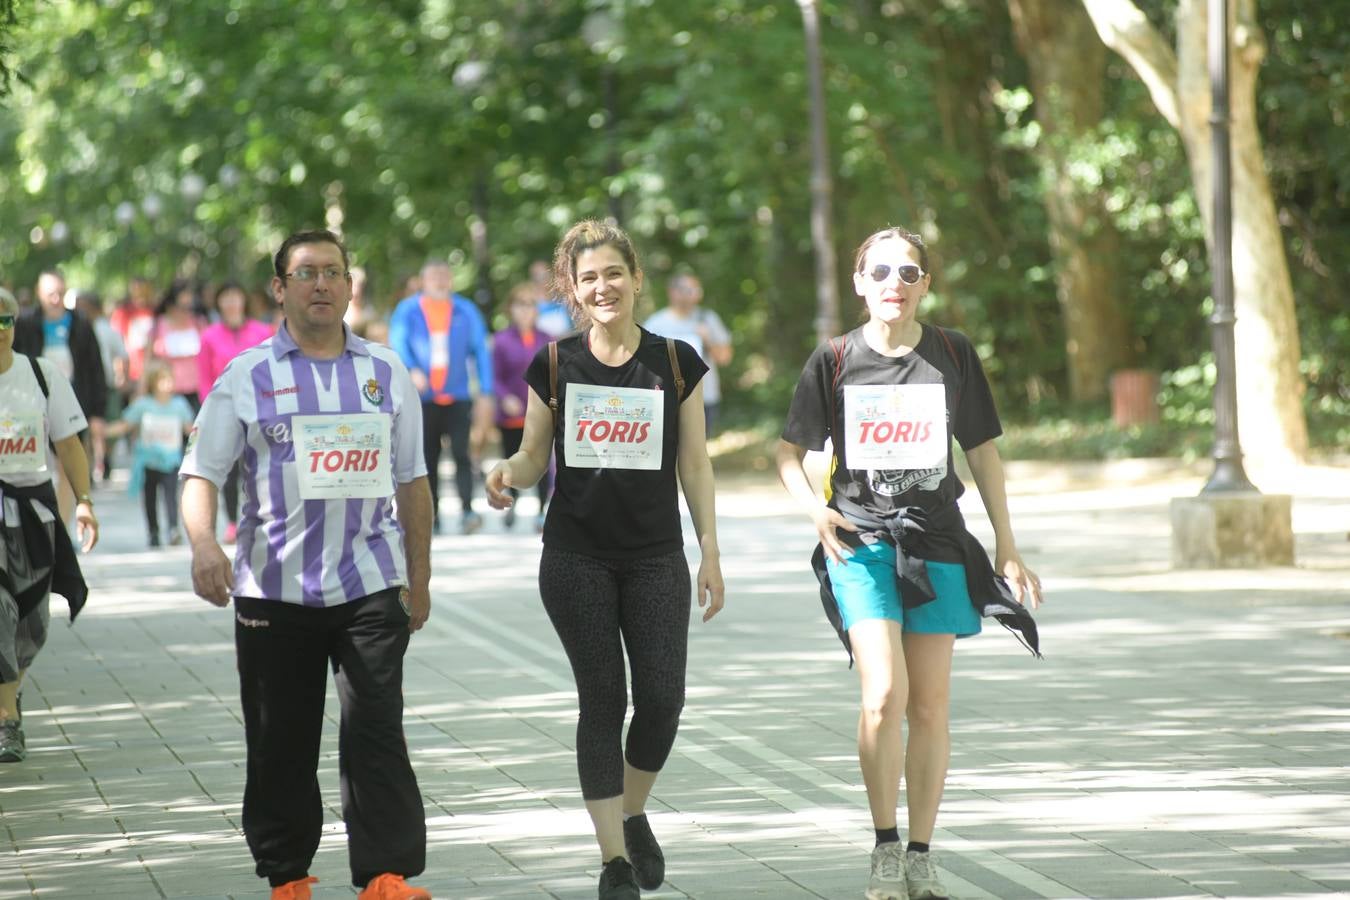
column 175, row 340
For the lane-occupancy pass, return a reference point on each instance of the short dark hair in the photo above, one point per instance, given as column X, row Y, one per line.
column 312, row 236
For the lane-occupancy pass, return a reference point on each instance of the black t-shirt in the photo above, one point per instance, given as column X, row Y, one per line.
column 616, row 513
column 817, row 412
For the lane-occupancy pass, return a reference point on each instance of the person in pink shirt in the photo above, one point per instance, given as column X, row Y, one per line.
column 177, row 337
column 220, row 343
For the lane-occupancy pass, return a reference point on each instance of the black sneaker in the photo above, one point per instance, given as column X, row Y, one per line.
column 617, row 882
column 648, row 861
column 13, row 748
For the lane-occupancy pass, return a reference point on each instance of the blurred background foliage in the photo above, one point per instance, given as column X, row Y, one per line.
column 163, row 137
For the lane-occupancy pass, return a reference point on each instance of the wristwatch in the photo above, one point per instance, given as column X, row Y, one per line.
column 86, row 500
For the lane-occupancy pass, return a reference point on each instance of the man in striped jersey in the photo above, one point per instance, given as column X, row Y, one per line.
column 331, row 567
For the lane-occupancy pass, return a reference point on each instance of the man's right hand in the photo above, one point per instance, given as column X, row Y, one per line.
column 212, row 574
column 419, row 379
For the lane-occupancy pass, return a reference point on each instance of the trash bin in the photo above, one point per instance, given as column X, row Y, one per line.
column 1134, row 397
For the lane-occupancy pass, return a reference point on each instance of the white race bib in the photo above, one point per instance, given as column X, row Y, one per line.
column 440, row 350
column 161, row 432
column 341, row 457
column 895, row 426
column 23, row 443
column 613, row 428
column 182, row 343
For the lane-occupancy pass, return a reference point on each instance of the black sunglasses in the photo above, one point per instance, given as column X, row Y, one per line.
column 6, row 322
column 909, row 274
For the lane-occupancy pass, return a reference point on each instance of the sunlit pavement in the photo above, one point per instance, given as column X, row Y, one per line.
column 1187, row 734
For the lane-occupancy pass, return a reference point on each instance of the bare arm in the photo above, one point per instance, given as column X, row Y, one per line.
column 528, row 464
column 696, row 478
column 987, row 467
column 793, row 475
column 76, row 466
column 720, row 353
column 414, row 513
column 212, row 574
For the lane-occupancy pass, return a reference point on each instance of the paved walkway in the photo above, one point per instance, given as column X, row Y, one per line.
column 1186, row 735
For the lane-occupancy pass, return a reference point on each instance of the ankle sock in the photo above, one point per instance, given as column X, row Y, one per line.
column 917, row 847
column 888, row 835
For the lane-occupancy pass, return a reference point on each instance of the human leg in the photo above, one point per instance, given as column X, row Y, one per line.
column 459, row 425
column 381, row 803
column 149, row 492
column 433, row 431
column 283, row 674
column 654, row 604
column 928, row 661
column 580, row 595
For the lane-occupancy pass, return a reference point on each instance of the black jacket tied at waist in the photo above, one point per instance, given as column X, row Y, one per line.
column 58, row 556
column 919, row 535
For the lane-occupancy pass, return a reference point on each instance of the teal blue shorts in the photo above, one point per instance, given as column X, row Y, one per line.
column 867, row 588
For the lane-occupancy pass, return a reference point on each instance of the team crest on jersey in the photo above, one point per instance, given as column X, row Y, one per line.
column 191, row 440
column 373, row 392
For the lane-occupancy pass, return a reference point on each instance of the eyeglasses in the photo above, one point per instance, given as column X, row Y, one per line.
column 909, row 274
column 310, row 275
column 6, row 322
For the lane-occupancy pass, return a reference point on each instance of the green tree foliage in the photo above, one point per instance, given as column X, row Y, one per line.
column 415, row 123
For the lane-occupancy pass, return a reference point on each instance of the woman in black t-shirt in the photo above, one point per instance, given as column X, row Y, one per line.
column 628, row 417
column 901, row 576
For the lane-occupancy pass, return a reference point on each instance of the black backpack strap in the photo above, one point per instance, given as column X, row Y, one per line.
column 37, row 373
column 955, row 359
column 838, row 371
column 553, row 378
column 675, row 368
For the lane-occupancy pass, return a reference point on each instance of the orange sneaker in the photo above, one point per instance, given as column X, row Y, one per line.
column 295, row 890
column 392, row 887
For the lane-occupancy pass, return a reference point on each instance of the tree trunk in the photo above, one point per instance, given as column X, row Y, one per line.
column 1271, row 424
column 1067, row 63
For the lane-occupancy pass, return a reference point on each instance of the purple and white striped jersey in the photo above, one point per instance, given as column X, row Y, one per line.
column 310, row 552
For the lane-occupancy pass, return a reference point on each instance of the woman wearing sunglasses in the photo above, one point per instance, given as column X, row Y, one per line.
column 901, row 577
column 37, row 405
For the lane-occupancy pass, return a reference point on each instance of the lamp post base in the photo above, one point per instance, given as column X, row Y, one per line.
column 1232, row 530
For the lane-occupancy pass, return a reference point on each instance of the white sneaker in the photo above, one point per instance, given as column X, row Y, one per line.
column 888, row 872
column 922, row 878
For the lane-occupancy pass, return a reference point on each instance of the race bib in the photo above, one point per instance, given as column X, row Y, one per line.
column 182, row 343
column 23, row 443
column 895, row 426
column 161, row 432
column 613, row 428
column 343, row 457
column 440, row 350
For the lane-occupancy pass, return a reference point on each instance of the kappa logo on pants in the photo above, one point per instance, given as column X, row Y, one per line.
column 251, row 623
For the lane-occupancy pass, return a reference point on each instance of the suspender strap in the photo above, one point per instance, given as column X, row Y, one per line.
column 955, row 360
column 838, row 371
column 553, row 378
column 37, row 373
column 675, row 368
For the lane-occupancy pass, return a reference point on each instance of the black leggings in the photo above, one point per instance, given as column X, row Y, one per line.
column 511, row 438
column 592, row 603
column 164, row 484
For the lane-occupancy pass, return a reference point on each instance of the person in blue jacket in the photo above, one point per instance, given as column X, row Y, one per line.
column 438, row 334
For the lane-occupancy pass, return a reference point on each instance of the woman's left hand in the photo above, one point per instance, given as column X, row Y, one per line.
column 711, row 591
column 86, row 527
column 1026, row 586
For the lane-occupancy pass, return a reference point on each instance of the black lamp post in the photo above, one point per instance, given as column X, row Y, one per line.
column 1228, row 473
